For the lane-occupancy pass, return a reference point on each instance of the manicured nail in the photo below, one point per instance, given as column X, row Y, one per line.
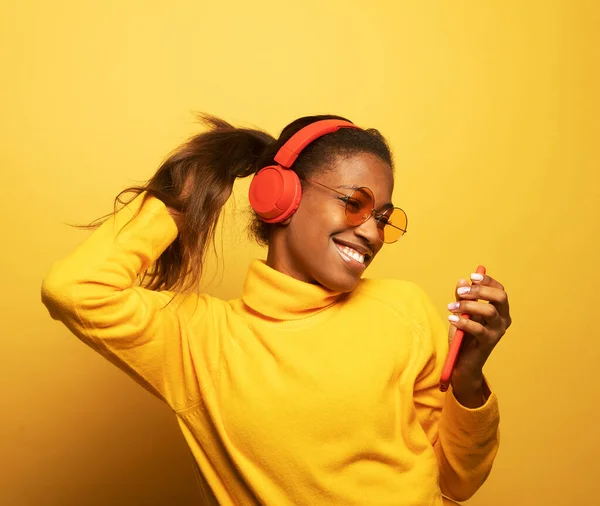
column 463, row 290
column 476, row 276
column 453, row 318
column 453, row 306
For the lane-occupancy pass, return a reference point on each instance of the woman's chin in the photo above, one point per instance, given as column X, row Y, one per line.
column 343, row 283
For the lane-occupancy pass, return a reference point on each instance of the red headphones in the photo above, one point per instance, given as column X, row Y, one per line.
column 275, row 191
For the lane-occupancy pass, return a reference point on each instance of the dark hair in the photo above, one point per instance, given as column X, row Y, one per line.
column 197, row 178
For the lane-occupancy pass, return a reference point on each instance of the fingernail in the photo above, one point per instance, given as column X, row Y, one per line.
column 453, row 318
column 463, row 290
column 453, row 306
column 476, row 276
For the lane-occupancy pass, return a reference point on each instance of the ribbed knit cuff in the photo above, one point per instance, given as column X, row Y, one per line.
column 476, row 419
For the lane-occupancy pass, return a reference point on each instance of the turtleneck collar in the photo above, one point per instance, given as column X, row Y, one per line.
column 279, row 296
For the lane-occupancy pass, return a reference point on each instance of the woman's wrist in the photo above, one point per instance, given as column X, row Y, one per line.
column 469, row 390
column 176, row 215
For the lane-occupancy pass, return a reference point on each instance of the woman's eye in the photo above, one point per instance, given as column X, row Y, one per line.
column 353, row 205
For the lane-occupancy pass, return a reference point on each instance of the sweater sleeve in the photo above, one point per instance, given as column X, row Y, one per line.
column 92, row 291
column 465, row 440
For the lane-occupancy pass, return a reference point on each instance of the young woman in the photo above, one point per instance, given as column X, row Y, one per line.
column 316, row 387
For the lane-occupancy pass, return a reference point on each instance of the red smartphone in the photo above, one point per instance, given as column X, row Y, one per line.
column 454, row 349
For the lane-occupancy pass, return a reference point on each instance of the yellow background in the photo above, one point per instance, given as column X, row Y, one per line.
column 492, row 112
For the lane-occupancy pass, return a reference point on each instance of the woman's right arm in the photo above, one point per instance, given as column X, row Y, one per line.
column 93, row 293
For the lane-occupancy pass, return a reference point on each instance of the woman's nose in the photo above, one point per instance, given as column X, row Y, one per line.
column 369, row 230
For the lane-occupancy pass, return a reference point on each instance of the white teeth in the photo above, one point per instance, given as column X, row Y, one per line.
column 352, row 253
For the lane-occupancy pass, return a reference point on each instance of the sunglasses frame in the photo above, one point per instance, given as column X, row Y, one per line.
column 378, row 216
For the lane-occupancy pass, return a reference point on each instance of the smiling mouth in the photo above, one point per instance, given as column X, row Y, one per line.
column 352, row 257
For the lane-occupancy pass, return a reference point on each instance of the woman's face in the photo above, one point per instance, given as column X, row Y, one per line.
column 318, row 245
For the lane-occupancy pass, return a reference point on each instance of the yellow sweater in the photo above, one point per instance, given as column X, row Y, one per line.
column 292, row 394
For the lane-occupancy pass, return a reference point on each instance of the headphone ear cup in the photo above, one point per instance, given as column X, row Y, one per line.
column 275, row 193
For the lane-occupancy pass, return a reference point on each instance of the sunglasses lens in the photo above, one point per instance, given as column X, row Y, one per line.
column 392, row 225
column 359, row 206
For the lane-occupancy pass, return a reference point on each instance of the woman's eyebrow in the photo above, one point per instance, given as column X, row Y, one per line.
column 385, row 206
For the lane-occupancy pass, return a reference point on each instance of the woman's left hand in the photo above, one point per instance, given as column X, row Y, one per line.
column 486, row 302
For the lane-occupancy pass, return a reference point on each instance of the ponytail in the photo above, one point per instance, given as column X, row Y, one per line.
column 195, row 181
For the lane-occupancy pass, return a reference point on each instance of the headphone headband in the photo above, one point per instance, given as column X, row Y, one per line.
column 288, row 153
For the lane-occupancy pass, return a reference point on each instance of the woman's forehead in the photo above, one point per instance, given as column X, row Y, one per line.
column 362, row 169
